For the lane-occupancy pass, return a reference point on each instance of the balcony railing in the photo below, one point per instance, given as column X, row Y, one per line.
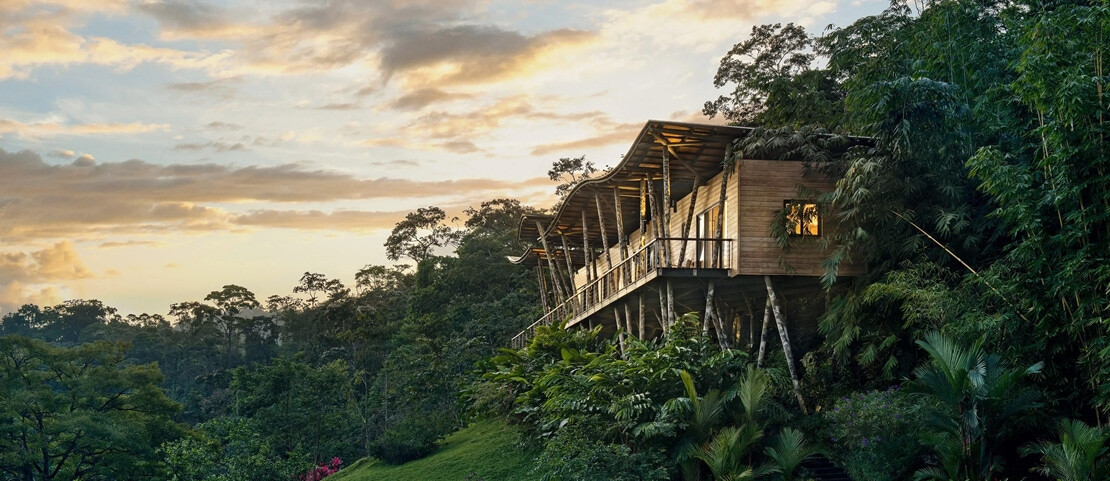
column 661, row 253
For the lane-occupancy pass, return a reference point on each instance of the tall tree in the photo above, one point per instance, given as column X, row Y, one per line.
column 419, row 234
column 79, row 413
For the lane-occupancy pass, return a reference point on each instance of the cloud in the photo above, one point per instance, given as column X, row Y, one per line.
column 217, row 125
column 130, row 243
column 424, row 97
column 216, row 145
column 40, row 200
column 27, row 277
column 348, row 220
column 43, row 129
column 223, row 89
column 33, row 35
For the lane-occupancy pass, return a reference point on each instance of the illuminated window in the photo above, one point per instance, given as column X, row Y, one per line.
column 802, row 218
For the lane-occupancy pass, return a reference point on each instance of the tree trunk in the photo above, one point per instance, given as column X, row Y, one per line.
column 780, row 323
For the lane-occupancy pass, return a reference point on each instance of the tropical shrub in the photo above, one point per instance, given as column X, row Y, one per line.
column 575, row 455
column 1082, row 454
column 874, row 434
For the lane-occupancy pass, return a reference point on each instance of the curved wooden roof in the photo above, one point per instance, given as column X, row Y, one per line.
column 695, row 152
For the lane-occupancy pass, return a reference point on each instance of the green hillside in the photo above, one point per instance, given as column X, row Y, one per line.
column 487, row 450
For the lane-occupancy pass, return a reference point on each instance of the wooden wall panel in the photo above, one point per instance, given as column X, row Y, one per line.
column 764, row 185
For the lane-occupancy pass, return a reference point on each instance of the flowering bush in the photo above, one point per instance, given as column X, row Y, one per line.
column 322, row 470
column 874, row 434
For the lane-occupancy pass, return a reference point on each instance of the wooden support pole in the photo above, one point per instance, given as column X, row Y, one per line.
column 552, row 266
column 666, row 217
column 540, row 284
column 706, row 319
column 628, row 319
column 763, row 334
column 601, row 225
column 572, row 290
column 620, row 332
column 718, row 250
column 619, row 211
column 641, row 314
column 686, row 225
column 589, row 255
column 670, row 302
column 784, row 336
column 723, row 338
column 656, row 219
column 663, row 310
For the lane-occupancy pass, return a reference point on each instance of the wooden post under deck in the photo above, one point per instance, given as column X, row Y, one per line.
column 551, row 264
column 543, row 288
column 573, row 292
column 780, row 322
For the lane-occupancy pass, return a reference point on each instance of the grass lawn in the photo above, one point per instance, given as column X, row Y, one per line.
column 487, row 450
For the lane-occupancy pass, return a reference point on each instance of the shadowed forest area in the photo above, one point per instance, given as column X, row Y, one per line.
column 975, row 347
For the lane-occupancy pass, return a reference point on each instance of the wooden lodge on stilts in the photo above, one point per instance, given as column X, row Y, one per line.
column 670, row 230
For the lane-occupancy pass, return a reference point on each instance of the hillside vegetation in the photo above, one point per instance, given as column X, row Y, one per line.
column 487, row 450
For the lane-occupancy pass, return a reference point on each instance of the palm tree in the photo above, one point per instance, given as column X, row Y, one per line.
column 787, row 452
column 1081, row 454
column 975, row 395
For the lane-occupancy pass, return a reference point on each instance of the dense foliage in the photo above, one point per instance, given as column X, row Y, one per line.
column 970, row 143
column 272, row 389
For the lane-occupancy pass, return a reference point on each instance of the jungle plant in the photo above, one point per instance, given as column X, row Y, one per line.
column 977, row 397
column 1082, row 454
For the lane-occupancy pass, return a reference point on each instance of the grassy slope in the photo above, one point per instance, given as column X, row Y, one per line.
column 487, row 449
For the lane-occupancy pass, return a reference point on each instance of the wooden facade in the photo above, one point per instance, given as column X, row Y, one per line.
column 670, row 230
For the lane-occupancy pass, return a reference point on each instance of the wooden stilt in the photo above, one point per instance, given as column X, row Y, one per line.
column 656, row 219
column 641, row 314
column 601, row 225
column 719, row 247
column 622, row 242
column 666, row 217
column 705, row 320
column 540, row 285
column 686, row 225
column 551, row 264
column 628, row 319
column 620, row 332
column 573, row 289
column 663, row 319
column 763, row 334
column 588, row 255
column 780, row 323
column 670, row 303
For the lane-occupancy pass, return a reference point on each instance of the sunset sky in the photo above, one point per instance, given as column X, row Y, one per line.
column 153, row 151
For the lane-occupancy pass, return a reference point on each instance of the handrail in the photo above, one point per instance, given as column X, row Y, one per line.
column 657, row 254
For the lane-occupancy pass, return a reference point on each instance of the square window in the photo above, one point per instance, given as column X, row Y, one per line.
column 803, row 218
